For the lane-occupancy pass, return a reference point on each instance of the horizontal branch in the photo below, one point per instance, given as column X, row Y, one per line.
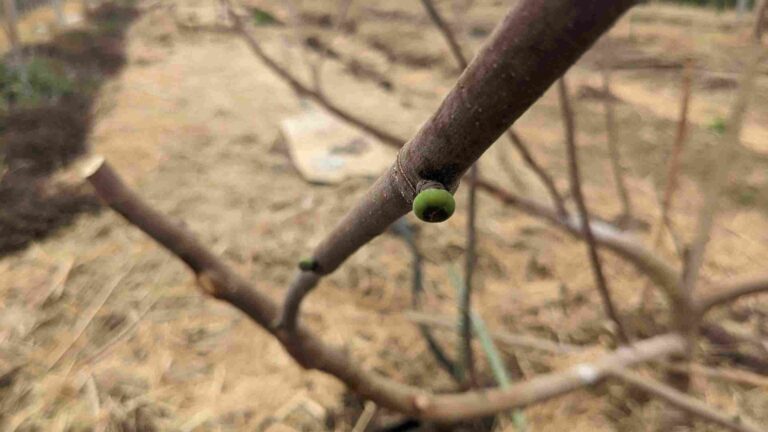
column 218, row 280
column 730, row 291
column 686, row 403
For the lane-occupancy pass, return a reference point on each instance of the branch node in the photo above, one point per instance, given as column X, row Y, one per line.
column 433, row 203
column 207, row 285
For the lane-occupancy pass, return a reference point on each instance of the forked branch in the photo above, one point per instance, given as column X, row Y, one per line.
column 516, row 140
column 218, row 280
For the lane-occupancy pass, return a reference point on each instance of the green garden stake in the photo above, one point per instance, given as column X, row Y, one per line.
column 434, row 205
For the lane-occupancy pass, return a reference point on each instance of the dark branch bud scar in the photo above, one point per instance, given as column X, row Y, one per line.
column 308, row 264
column 434, row 205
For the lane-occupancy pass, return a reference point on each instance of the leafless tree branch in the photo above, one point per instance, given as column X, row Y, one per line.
column 218, row 280
column 594, row 258
column 686, row 403
column 613, row 149
column 482, row 104
column 732, row 290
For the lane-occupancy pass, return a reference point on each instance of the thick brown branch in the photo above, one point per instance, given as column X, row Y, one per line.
column 484, row 102
column 519, row 144
column 686, row 403
column 594, row 258
column 218, row 280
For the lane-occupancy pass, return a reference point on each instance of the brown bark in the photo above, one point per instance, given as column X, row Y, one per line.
column 578, row 196
column 535, row 43
column 218, row 280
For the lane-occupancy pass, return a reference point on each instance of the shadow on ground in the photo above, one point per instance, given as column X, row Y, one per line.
column 45, row 116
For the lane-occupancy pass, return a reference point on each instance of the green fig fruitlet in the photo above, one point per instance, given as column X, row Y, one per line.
column 434, row 205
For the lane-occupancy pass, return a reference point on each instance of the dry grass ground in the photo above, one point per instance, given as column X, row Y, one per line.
column 102, row 330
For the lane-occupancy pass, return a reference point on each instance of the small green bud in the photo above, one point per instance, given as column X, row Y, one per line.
column 308, row 264
column 434, row 205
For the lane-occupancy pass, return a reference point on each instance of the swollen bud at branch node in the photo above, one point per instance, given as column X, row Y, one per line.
column 308, row 264
column 434, row 205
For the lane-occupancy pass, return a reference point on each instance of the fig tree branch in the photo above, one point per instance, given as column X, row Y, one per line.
column 516, row 140
column 485, row 101
column 727, row 292
column 607, row 236
column 575, row 178
column 737, row 423
column 216, row 279
column 613, row 148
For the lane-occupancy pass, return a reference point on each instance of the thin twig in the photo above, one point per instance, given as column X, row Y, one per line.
column 594, row 258
column 518, row 142
column 731, row 375
column 341, row 16
column 686, row 315
column 680, row 400
column 720, row 166
column 441, row 25
column 465, row 300
column 301, row 88
column 401, row 229
column 730, row 291
column 673, row 170
column 613, row 149
column 761, row 16
column 546, row 179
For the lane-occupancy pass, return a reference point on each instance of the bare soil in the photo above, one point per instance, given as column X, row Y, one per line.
column 100, row 329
